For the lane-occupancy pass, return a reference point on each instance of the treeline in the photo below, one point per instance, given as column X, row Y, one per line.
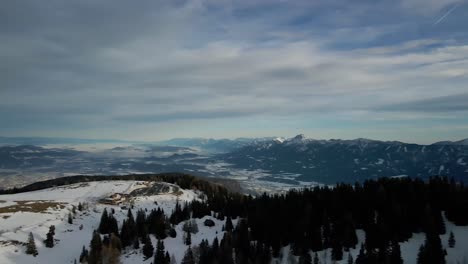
column 388, row 210
column 183, row 180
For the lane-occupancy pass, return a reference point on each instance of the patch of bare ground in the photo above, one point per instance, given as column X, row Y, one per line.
column 38, row 206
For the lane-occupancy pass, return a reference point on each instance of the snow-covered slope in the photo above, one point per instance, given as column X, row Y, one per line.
column 15, row 226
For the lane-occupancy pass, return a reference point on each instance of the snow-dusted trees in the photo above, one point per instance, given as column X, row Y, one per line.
column 190, row 226
column 148, row 248
column 70, row 218
column 305, row 258
column 187, row 238
column 161, row 257
column 188, row 257
column 84, row 255
column 31, row 246
column 451, row 240
column 49, row 241
column 228, row 226
column 108, row 223
column 431, row 252
column 95, row 252
column 350, row 259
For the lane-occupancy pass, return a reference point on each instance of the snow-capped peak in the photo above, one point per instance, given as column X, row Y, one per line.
column 279, row 140
column 298, row 138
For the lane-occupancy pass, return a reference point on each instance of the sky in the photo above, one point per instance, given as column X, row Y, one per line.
column 153, row 70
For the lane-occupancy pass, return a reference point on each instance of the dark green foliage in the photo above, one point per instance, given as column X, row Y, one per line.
column 451, row 240
column 305, row 258
column 136, row 244
column 95, row 253
column 431, row 252
column 337, row 251
column 49, row 241
column 228, row 226
column 70, row 218
column 160, row 256
column 84, row 255
column 188, row 257
column 395, row 253
column 31, row 246
column 172, row 233
column 350, row 259
column 316, row 258
column 362, row 256
column 388, row 210
column 188, row 238
column 104, row 224
column 148, row 248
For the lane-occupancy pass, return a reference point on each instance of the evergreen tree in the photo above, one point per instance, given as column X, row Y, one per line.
column 188, row 238
column 168, row 258
column 395, row 254
column 350, row 259
column 159, row 256
column 421, row 259
column 113, row 226
column 70, row 218
column 228, row 226
column 104, row 223
column 95, row 253
column 148, row 248
column 136, row 244
column 451, row 240
column 188, row 257
column 49, row 241
column 305, row 257
column 80, row 207
column 31, row 246
column 316, row 258
column 362, row 256
column 84, row 255
column 337, row 252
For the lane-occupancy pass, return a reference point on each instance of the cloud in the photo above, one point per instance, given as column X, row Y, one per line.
column 447, row 104
column 98, row 66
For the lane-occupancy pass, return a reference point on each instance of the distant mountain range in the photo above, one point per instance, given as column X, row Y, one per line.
column 331, row 161
column 293, row 161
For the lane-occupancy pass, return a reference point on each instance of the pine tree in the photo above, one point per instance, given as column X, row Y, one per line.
column 305, row 257
column 167, row 257
column 70, row 218
column 421, row 259
column 228, row 226
column 148, row 248
column 31, row 246
column 104, row 223
column 95, row 253
column 49, row 241
column 188, row 257
column 316, row 258
column 337, row 252
column 80, row 207
column 350, row 259
column 159, row 256
column 113, row 226
column 84, row 255
column 451, row 240
column 362, row 257
column 136, row 244
column 395, row 254
column 188, row 239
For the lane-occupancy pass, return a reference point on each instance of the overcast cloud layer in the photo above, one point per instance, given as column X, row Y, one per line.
column 150, row 70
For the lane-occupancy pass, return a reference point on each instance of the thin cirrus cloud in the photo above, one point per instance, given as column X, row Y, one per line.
column 101, row 68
